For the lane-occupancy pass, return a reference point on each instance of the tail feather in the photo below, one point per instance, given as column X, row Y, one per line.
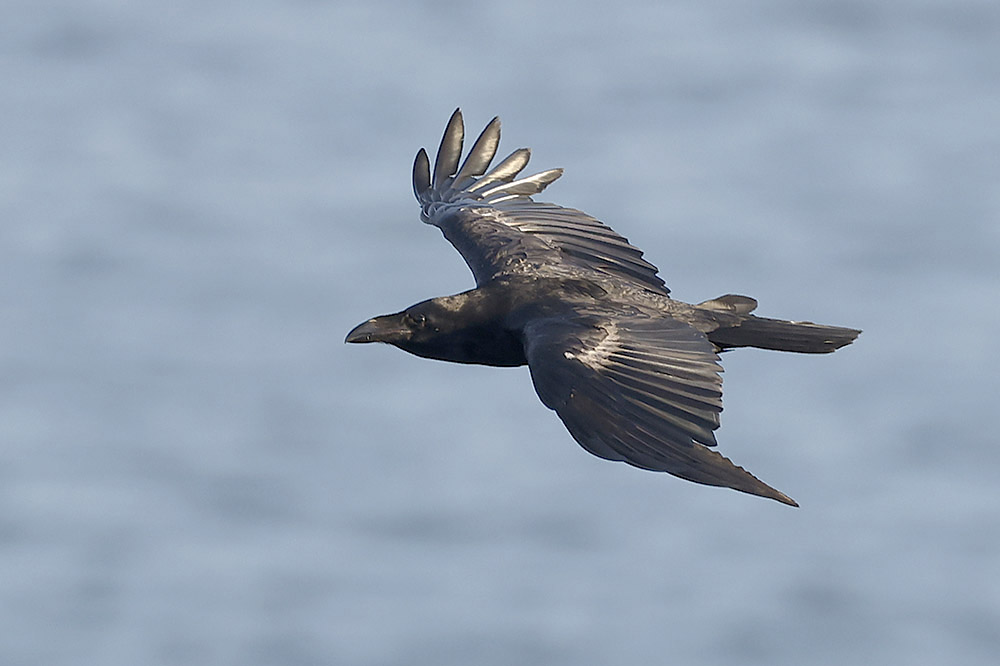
column 794, row 336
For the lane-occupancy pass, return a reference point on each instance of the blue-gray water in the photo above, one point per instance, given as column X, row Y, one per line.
column 198, row 201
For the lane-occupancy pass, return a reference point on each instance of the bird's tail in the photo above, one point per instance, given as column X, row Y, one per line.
column 778, row 334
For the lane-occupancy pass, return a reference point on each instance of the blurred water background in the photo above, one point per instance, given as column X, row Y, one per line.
column 199, row 200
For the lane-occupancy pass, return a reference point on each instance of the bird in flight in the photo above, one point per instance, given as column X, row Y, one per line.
column 633, row 373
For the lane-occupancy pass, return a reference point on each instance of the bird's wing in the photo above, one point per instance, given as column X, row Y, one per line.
column 491, row 219
column 640, row 390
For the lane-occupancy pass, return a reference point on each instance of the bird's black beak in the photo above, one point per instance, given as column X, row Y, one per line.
column 387, row 328
column 366, row 332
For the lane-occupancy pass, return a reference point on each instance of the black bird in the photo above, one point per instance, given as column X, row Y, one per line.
column 632, row 373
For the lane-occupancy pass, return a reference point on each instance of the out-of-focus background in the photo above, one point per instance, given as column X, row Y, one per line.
column 199, row 200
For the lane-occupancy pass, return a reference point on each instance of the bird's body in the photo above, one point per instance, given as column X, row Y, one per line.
column 632, row 372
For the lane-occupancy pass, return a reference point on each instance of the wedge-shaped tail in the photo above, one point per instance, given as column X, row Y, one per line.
column 792, row 336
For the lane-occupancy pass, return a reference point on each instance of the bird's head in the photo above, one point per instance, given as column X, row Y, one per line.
column 395, row 329
column 460, row 328
column 427, row 322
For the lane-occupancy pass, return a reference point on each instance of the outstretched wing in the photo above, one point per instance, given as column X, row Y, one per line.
column 640, row 390
column 491, row 219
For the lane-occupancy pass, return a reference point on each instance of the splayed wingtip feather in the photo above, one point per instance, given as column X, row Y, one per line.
column 450, row 150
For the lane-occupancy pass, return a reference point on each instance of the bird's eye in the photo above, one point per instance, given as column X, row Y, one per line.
column 417, row 319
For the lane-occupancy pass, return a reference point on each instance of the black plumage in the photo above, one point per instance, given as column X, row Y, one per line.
column 633, row 373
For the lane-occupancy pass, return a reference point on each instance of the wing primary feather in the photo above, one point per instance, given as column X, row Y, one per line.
column 421, row 174
column 688, row 362
column 481, row 154
column 579, row 233
column 692, row 425
column 525, row 186
column 661, row 390
column 694, row 394
column 450, row 150
column 512, row 165
column 642, row 452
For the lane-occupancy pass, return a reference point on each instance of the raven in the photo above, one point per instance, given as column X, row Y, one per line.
column 632, row 372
